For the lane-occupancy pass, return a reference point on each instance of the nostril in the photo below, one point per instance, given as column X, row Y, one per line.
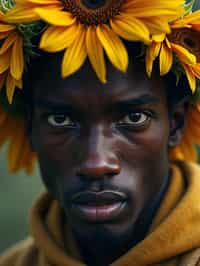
column 96, row 169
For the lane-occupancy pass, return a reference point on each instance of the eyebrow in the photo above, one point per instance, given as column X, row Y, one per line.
column 141, row 100
column 66, row 107
column 62, row 107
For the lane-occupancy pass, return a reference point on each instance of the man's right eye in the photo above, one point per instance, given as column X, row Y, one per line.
column 60, row 120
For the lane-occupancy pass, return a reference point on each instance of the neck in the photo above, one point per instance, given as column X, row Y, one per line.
column 103, row 249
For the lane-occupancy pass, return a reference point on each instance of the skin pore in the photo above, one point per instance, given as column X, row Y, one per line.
column 91, row 138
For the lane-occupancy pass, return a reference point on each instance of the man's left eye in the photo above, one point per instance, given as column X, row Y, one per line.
column 135, row 118
column 60, row 120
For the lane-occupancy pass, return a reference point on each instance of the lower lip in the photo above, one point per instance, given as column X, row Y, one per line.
column 100, row 213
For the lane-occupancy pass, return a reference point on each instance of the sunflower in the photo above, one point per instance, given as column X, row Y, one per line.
column 186, row 149
column 88, row 28
column 20, row 155
column 183, row 42
column 11, row 57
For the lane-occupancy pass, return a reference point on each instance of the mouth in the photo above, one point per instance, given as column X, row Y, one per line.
column 98, row 207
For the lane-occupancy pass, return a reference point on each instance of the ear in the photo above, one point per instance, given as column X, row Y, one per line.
column 177, row 118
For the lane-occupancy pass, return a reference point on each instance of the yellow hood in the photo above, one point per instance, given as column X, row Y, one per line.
column 175, row 229
column 172, row 240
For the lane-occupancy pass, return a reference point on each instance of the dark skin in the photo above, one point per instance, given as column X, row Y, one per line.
column 94, row 137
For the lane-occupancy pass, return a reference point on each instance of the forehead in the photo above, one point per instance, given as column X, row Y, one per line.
column 84, row 85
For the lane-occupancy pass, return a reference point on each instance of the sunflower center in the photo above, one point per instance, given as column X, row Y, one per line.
column 187, row 38
column 93, row 4
column 93, row 12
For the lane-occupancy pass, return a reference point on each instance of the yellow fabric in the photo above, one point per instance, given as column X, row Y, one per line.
column 173, row 239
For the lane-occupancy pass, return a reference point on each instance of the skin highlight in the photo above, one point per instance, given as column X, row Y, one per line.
column 113, row 137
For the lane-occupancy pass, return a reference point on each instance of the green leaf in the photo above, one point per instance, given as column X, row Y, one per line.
column 6, row 5
column 189, row 6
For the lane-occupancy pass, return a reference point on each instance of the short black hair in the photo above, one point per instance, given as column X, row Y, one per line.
column 175, row 90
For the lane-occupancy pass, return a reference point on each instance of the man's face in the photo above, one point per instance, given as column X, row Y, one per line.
column 102, row 149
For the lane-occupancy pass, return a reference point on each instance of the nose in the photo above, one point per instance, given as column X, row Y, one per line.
column 99, row 159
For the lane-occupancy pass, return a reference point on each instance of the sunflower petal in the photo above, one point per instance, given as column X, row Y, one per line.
column 145, row 9
column 196, row 70
column 45, row 2
column 95, row 53
column 15, row 148
column 55, row 38
column 55, row 17
column 166, row 59
column 183, row 54
column 17, row 59
column 114, row 47
column 8, row 42
column 191, row 77
column 130, row 28
column 75, row 55
column 152, row 53
column 6, row 27
column 157, row 25
column 5, row 62
column 2, row 80
column 10, row 87
column 21, row 14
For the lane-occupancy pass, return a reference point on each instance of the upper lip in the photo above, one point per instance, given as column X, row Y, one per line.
column 98, row 198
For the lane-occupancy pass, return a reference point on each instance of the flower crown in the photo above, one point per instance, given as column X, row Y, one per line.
column 168, row 30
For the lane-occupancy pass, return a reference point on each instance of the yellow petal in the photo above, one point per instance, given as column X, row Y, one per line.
column 55, row 17
column 21, row 14
column 143, row 8
column 46, row 2
column 151, row 54
column 15, row 149
column 17, row 59
column 114, row 47
column 159, row 37
column 5, row 62
column 6, row 27
column 10, row 87
column 75, row 55
column 55, row 38
column 2, row 80
column 191, row 78
column 157, row 25
column 4, row 35
column 166, row 59
column 18, row 84
column 187, row 148
column 8, row 42
column 189, row 19
column 130, row 28
column 149, row 62
column 196, row 70
column 95, row 53
column 183, row 54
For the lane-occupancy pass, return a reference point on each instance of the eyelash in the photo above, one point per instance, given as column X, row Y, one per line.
column 149, row 113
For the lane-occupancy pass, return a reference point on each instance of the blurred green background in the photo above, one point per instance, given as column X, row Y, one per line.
column 17, row 192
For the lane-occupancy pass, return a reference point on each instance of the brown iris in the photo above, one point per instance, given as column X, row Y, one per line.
column 91, row 12
column 188, row 38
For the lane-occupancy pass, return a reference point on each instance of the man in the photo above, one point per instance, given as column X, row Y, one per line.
column 114, row 197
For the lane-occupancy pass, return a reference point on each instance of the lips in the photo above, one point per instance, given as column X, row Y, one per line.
column 98, row 206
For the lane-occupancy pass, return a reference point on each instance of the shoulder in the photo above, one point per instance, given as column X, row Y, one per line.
column 24, row 253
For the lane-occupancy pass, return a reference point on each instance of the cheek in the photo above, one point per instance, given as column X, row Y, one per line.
column 146, row 155
column 57, row 156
